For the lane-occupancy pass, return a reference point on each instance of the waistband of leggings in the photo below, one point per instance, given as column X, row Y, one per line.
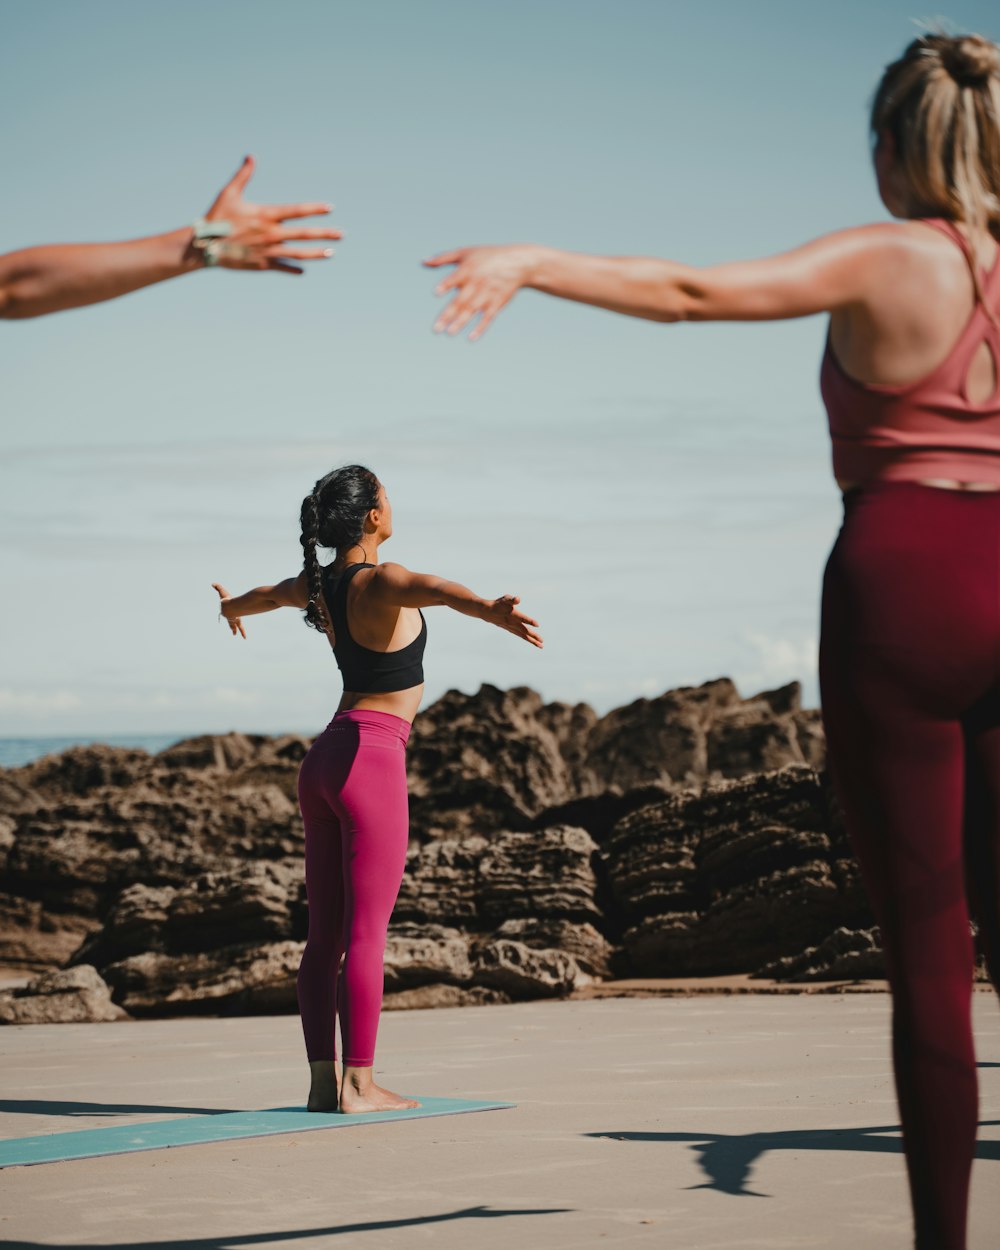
column 382, row 725
column 919, row 490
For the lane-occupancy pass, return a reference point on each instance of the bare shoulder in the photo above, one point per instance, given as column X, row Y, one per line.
column 389, row 571
column 888, row 242
column 387, row 576
column 898, row 265
column 908, row 246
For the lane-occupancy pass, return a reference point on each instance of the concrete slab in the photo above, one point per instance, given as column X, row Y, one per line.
column 723, row 1123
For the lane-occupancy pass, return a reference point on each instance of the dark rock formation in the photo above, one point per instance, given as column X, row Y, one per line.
column 60, row 997
column 231, row 980
column 524, row 972
column 498, row 759
column 845, row 954
column 688, row 834
column 746, row 873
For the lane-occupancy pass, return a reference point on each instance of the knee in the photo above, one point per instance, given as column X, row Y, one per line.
column 367, row 938
column 324, row 942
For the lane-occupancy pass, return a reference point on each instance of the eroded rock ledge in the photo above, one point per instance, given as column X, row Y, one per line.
column 691, row 834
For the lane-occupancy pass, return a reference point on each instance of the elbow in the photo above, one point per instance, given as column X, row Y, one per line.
column 687, row 303
column 14, row 308
column 675, row 303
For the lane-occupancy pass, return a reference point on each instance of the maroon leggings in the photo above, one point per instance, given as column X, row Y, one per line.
column 909, row 666
column 352, row 792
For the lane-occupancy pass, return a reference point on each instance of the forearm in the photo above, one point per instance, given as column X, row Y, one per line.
column 638, row 286
column 460, row 599
column 260, row 599
column 48, row 279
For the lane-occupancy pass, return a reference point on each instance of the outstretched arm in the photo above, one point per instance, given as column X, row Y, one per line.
column 37, row 280
column 393, row 584
column 826, row 273
column 293, row 592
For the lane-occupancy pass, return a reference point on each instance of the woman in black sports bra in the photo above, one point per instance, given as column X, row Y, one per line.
column 352, row 783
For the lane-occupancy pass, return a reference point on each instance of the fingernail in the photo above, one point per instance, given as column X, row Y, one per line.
column 328, row 251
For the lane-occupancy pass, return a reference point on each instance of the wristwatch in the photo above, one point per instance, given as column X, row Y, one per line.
column 208, row 236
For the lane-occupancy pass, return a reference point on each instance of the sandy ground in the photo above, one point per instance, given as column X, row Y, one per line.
column 704, row 1123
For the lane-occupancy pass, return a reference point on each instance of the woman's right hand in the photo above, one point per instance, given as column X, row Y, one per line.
column 234, row 622
column 505, row 613
column 485, row 280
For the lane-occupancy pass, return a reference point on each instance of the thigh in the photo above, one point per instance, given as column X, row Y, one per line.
column 896, row 754
column 374, row 813
column 323, row 837
column 982, row 819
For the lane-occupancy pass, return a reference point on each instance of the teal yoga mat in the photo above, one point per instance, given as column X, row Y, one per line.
column 86, row 1143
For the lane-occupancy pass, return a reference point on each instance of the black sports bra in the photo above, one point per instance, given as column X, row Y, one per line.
column 366, row 671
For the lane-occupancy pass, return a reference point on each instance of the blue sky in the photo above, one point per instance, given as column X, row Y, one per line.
column 660, row 496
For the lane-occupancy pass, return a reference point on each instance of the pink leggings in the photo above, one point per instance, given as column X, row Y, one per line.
column 352, row 794
column 910, row 686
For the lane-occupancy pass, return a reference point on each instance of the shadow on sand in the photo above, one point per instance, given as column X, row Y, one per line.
column 728, row 1160
column 33, row 1106
column 234, row 1241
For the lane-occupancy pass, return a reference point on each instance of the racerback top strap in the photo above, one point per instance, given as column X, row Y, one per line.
column 366, row 671
column 929, row 427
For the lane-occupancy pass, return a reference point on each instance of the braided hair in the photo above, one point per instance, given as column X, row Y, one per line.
column 333, row 516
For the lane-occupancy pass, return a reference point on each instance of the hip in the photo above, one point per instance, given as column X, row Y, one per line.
column 912, row 561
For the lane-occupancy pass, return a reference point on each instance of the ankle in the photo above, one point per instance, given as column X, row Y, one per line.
column 358, row 1079
column 323, row 1071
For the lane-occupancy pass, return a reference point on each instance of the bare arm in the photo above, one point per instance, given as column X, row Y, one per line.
column 293, row 592
column 830, row 272
column 392, row 584
column 38, row 280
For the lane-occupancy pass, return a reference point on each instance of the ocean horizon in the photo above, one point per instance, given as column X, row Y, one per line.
column 16, row 752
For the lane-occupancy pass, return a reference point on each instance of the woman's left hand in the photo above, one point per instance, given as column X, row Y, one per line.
column 259, row 238
column 486, row 278
column 234, row 622
column 505, row 613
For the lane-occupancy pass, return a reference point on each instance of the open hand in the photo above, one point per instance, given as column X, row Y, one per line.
column 505, row 613
column 234, row 622
column 486, row 278
column 259, row 240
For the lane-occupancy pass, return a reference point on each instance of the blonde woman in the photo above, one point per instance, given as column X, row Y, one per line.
column 910, row 634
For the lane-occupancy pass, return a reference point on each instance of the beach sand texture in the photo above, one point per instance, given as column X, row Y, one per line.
column 722, row 1123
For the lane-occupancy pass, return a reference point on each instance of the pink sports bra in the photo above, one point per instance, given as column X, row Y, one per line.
column 927, row 428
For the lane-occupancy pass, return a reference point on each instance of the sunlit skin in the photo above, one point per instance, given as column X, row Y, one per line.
column 382, row 610
column 898, row 293
column 54, row 277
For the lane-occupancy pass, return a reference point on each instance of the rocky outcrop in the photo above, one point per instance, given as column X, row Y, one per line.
column 844, row 955
column 61, row 997
column 745, row 873
column 230, row 941
column 689, row 834
column 230, row 980
column 499, row 759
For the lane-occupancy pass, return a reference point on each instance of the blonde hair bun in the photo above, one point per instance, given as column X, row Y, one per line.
column 970, row 59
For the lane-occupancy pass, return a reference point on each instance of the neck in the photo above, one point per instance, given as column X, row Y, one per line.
column 360, row 553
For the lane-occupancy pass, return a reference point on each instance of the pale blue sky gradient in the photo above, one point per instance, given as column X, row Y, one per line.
column 660, row 496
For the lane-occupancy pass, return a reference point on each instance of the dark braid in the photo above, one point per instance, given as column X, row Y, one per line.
column 334, row 516
column 315, row 616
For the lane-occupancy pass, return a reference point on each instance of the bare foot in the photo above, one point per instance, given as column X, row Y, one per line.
column 359, row 1094
column 324, row 1088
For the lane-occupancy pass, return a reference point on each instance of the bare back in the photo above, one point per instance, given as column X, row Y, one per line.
column 383, row 628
